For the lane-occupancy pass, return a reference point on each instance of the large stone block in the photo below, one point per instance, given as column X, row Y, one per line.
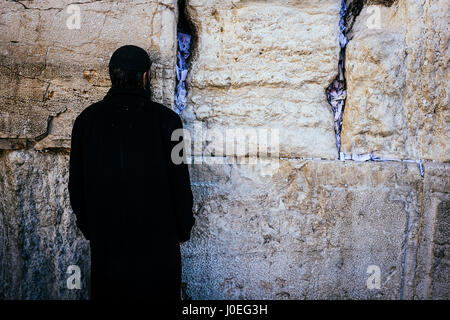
column 266, row 64
column 50, row 73
column 398, row 83
column 309, row 231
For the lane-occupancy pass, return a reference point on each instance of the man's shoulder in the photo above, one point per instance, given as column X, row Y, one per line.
column 90, row 111
column 165, row 111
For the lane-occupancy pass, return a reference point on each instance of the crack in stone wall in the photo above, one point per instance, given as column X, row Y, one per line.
column 54, row 72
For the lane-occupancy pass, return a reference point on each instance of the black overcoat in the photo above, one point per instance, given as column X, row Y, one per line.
column 131, row 201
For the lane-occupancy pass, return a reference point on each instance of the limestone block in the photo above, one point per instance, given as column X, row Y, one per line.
column 398, row 82
column 431, row 260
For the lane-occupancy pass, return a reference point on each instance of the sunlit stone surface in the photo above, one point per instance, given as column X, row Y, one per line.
column 309, row 229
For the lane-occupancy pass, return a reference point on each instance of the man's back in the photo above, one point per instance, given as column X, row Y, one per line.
column 132, row 202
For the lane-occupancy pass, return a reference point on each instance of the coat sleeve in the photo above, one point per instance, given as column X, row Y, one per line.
column 76, row 177
column 180, row 183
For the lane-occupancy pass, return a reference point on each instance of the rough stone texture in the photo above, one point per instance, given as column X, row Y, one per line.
column 49, row 73
column 38, row 236
column 398, row 83
column 308, row 230
column 266, row 65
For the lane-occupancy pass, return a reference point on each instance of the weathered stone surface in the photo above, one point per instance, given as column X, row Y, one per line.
column 441, row 265
column 49, row 73
column 310, row 231
column 38, row 236
column 266, row 65
column 398, row 82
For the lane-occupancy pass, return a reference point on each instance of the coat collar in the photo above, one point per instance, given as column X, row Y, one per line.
column 126, row 92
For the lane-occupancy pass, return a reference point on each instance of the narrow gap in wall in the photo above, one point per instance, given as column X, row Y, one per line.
column 185, row 39
column 337, row 90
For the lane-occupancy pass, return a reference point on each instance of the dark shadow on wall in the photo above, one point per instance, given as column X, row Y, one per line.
column 185, row 25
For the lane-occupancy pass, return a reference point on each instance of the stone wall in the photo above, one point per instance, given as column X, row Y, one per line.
column 308, row 230
column 398, row 83
column 265, row 65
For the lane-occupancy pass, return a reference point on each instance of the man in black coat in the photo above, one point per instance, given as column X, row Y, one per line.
column 132, row 202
